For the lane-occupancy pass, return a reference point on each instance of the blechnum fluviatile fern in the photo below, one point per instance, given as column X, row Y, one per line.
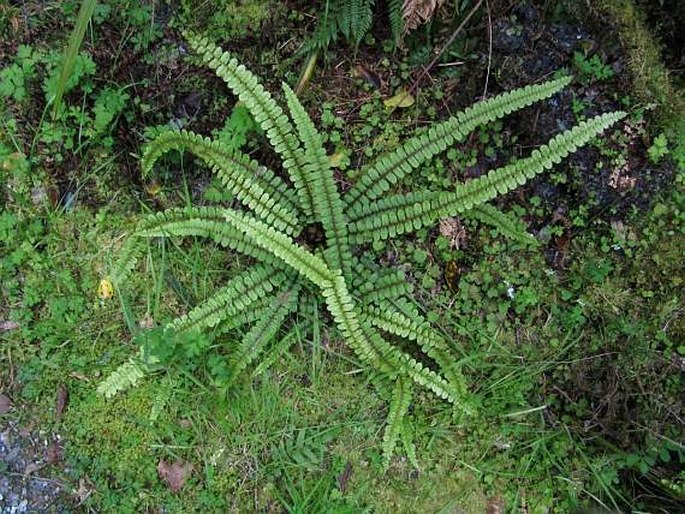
column 371, row 308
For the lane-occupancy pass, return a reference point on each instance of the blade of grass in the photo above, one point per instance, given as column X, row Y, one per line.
column 69, row 58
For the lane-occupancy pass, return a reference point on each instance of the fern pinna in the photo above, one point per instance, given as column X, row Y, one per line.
column 372, row 309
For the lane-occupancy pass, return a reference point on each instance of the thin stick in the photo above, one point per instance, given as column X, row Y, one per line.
column 487, row 74
column 444, row 48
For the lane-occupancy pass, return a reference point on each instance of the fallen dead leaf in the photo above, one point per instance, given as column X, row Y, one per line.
column 105, row 289
column 54, row 453
column 85, row 489
column 147, row 322
column 344, row 477
column 5, row 404
column 495, row 506
column 6, row 326
column 368, row 75
column 62, row 400
column 453, row 229
column 416, row 12
column 174, row 475
column 402, row 98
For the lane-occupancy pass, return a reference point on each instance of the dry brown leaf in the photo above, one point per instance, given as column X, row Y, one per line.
column 370, row 76
column 344, row 477
column 453, row 229
column 54, row 453
column 62, row 400
column 5, row 404
column 417, row 12
column 6, row 326
column 174, row 475
column 85, row 489
column 495, row 506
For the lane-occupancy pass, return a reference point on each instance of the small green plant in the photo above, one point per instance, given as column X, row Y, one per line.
column 351, row 19
column 659, row 148
column 591, row 69
column 371, row 307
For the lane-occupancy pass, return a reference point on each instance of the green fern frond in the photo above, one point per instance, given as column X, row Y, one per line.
column 361, row 16
column 258, row 309
column 368, row 344
column 209, row 222
column 399, row 405
column 396, row 20
column 254, row 185
column 128, row 256
column 406, row 436
column 351, row 18
column 327, row 203
column 490, row 215
column 402, row 319
column 398, row 214
column 255, row 341
column 384, row 284
column 265, row 111
column 310, row 266
column 237, row 295
column 125, row 376
column 394, row 362
column 389, row 169
column 277, row 350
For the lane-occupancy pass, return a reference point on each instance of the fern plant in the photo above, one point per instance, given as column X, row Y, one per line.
column 351, row 19
column 371, row 308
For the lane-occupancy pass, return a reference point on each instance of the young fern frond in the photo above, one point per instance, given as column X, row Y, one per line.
column 127, row 259
column 254, row 185
column 126, row 376
column 236, row 296
column 262, row 333
column 399, row 405
column 490, row 215
column 398, row 214
column 277, row 350
column 265, row 111
column 327, row 203
column 391, row 168
column 258, row 309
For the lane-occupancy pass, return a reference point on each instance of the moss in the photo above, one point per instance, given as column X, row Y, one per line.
column 651, row 81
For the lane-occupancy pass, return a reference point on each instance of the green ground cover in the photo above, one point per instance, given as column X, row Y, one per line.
column 571, row 342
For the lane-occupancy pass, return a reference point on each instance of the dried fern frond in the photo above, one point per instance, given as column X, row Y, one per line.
column 418, row 12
